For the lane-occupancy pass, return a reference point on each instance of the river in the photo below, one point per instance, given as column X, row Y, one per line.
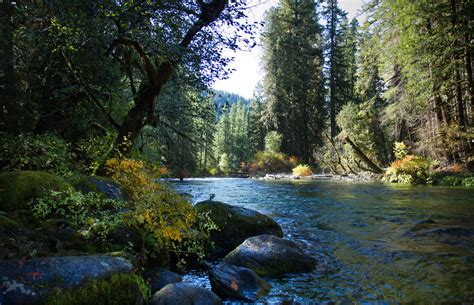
column 374, row 243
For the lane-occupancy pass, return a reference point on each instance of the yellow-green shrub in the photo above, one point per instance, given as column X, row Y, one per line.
column 302, row 170
column 271, row 162
column 410, row 170
column 155, row 210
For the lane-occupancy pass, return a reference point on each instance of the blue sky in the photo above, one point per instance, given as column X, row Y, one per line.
column 247, row 63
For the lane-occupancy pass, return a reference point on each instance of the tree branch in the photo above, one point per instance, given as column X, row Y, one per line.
column 150, row 68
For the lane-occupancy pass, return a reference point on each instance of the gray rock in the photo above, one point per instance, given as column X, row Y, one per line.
column 269, row 255
column 160, row 277
column 236, row 224
column 185, row 294
column 239, row 283
column 31, row 281
column 102, row 185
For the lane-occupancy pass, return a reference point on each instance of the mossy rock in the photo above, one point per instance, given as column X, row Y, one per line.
column 120, row 289
column 17, row 188
column 235, row 224
column 102, row 185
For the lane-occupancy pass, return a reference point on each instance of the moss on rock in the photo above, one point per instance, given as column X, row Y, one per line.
column 120, row 289
column 17, row 188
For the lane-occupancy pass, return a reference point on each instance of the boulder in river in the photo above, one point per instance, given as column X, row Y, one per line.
column 239, row 283
column 185, row 294
column 31, row 281
column 269, row 255
column 159, row 277
column 235, row 224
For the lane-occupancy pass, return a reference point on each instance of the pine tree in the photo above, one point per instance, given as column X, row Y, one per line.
column 293, row 81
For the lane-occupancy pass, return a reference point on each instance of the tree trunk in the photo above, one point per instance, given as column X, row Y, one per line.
column 372, row 166
column 157, row 76
column 332, row 77
column 468, row 64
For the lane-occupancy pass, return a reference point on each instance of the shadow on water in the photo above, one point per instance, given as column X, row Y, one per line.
column 375, row 243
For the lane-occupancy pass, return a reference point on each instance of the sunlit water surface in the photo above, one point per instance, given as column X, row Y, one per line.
column 374, row 243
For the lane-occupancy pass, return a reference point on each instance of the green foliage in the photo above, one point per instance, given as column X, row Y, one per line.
column 400, row 150
column 224, row 163
column 453, row 178
column 119, row 289
column 46, row 152
column 18, row 188
column 273, row 142
column 269, row 162
column 232, row 143
column 93, row 150
column 90, row 213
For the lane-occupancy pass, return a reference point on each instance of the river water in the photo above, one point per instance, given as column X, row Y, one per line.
column 374, row 243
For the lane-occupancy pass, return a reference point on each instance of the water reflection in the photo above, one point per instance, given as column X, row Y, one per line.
column 375, row 243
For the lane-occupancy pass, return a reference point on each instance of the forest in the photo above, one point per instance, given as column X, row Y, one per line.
column 339, row 94
column 101, row 100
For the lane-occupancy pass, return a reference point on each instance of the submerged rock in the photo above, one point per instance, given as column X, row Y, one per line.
column 235, row 225
column 232, row 282
column 185, row 294
column 160, row 277
column 269, row 255
column 31, row 281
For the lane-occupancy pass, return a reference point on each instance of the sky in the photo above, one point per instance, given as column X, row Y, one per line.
column 247, row 63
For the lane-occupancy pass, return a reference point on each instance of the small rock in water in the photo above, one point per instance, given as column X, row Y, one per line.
column 185, row 294
column 160, row 277
column 232, row 282
column 270, row 255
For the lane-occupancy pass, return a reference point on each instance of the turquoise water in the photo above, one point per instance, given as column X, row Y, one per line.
column 375, row 243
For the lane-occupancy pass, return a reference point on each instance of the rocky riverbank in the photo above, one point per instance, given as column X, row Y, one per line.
column 361, row 177
column 50, row 262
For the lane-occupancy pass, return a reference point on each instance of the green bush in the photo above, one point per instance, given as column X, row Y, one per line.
column 271, row 162
column 120, row 289
column 18, row 188
column 46, row 152
column 90, row 212
column 452, row 179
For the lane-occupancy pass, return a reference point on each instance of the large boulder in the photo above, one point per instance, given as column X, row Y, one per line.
column 185, row 294
column 235, row 224
column 269, row 255
column 18, row 188
column 159, row 277
column 102, row 185
column 31, row 281
column 238, row 283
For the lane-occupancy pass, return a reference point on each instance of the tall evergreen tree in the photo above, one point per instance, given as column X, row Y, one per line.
column 293, row 81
